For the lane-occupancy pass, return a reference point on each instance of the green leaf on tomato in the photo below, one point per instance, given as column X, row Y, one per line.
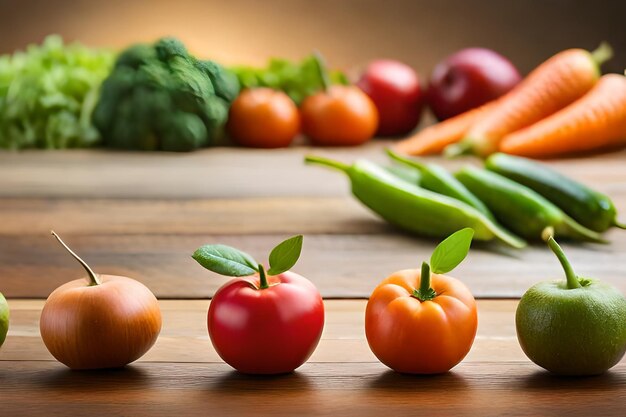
column 226, row 260
column 285, row 255
column 451, row 251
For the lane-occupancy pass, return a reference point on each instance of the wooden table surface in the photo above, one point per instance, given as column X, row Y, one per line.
column 142, row 215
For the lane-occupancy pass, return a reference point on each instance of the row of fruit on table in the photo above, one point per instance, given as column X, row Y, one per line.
column 269, row 321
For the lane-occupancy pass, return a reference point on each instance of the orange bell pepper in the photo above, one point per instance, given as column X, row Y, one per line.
column 421, row 326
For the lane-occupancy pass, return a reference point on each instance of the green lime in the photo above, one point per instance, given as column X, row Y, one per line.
column 572, row 327
column 4, row 318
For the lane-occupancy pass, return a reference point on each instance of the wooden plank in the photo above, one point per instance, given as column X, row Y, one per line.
column 329, row 215
column 184, row 336
column 183, row 375
column 151, row 239
column 225, row 173
column 216, row 172
column 317, row 389
column 307, row 215
column 344, row 266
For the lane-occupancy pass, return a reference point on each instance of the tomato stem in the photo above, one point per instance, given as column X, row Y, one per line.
column 425, row 292
column 93, row 278
column 262, row 278
column 572, row 279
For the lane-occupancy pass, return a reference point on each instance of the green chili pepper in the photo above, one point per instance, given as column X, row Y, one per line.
column 522, row 210
column 436, row 178
column 413, row 208
column 407, row 174
column 590, row 208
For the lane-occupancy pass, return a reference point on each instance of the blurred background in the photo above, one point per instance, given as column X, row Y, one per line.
column 348, row 32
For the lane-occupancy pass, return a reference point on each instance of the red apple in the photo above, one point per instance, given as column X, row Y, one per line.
column 395, row 90
column 268, row 323
column 468, row 79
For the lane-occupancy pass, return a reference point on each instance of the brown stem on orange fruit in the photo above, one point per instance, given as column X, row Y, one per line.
column 93, row 278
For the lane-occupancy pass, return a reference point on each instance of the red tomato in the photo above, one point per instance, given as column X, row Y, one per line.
column 339, row 116
column 266, row 331
column 424, row 337
column 395, row 89
column 263, row 118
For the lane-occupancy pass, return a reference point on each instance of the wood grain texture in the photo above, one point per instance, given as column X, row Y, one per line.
column 226, row 173
column 184, row 335
column 309, row 215
column 143, row 214
column 182, row 375
column 316, row 389
column 341, row 265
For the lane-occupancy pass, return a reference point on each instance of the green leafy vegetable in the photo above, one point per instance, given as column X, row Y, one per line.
column 48, row 93
column 451, row 251
column 226, row 260
column 297, row 79
column 285, row 255
column 159, row 97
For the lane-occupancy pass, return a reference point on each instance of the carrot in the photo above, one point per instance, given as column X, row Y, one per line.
column 595, row 121
column 554, row 84
column 435, row 138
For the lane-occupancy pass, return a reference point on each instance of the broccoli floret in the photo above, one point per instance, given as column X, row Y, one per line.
column 168, row 48
column 117, row 86
column 159, row 97
column 182, row 131
column 136, row 56
column 226, row 83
